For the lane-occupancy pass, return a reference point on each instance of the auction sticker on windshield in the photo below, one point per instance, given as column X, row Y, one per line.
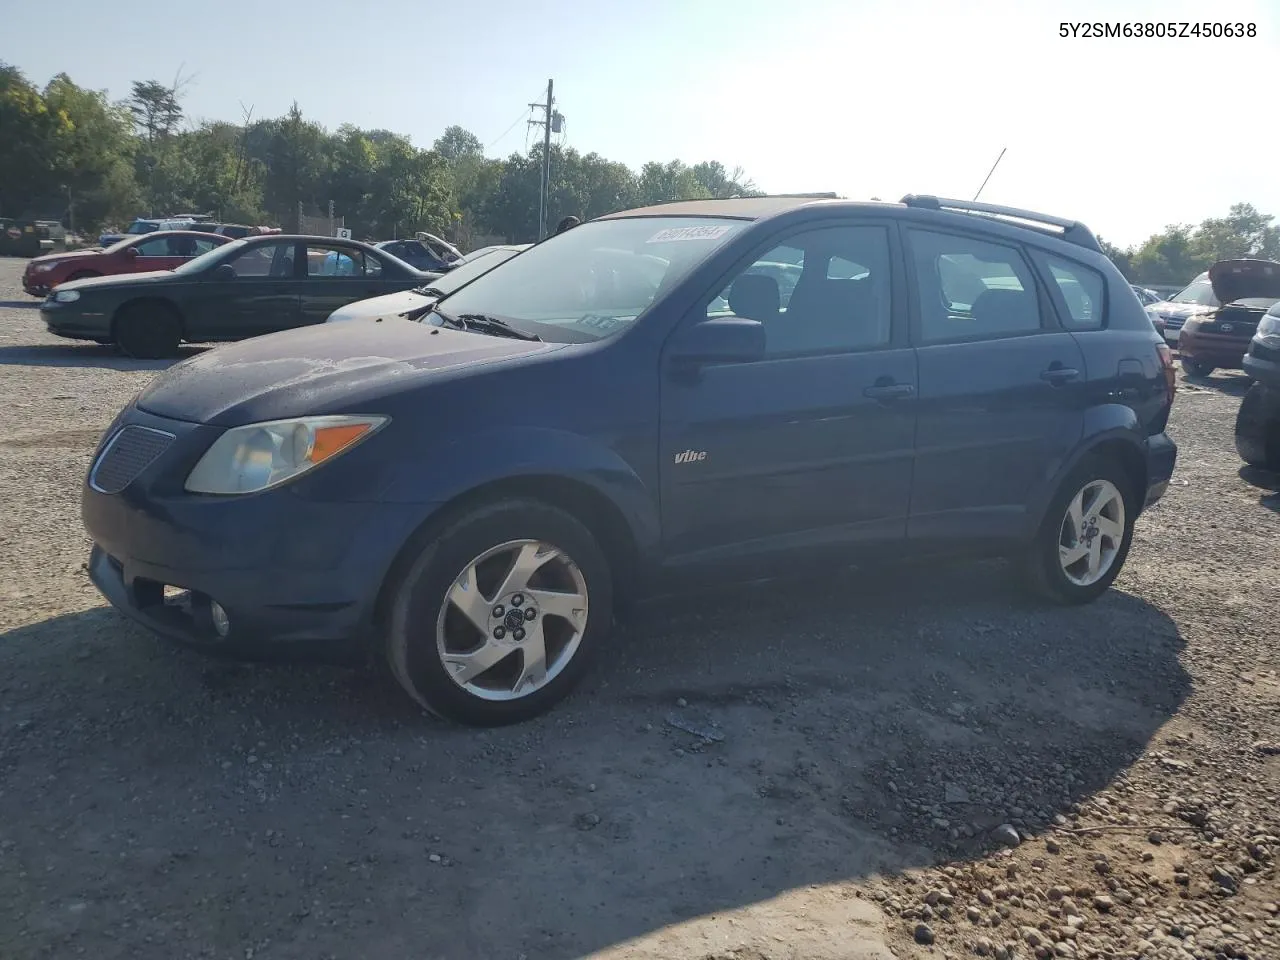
column 688, row 233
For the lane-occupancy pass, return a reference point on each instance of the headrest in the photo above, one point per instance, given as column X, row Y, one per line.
column 754, row 296
column 1005, row 309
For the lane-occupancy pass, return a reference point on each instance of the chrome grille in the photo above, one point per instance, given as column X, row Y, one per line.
column 126, row 455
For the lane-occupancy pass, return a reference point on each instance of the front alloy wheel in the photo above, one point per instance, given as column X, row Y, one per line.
column 497, row 616
column 513, row 620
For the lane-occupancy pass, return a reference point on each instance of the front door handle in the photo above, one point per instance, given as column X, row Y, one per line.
column 1058, row 374
column 889, row 391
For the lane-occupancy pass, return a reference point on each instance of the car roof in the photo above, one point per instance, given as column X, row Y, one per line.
column 758, row 208
column 198, row 234
column 741, row 208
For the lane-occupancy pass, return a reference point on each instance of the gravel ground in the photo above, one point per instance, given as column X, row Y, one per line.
column 910, row 763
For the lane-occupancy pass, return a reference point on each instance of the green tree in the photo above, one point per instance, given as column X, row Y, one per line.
column 1243, row 232
column 156, row 109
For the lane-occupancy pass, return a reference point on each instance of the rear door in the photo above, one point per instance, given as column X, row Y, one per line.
column 1002, row 386
column 813, row 443
column 335, row 276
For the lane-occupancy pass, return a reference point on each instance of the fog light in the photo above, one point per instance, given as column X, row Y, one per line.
column 221, row 622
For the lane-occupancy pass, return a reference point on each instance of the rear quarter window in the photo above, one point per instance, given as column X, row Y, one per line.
column 1079, row 291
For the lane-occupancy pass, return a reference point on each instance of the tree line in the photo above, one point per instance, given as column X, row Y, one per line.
column 65, row 149
column 1181, row 251
column 65, row 146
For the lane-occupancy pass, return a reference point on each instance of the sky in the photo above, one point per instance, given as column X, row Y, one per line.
column 865, row 99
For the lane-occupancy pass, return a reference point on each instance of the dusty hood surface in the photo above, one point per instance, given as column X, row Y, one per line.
column 326, row 368
column 1245, row 280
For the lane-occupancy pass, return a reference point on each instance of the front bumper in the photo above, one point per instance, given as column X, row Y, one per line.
column 287, row 570
column 1212, row 348
column 69, row 320
column 35, row 284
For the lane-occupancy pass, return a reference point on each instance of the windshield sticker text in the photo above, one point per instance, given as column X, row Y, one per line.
column 688, row 233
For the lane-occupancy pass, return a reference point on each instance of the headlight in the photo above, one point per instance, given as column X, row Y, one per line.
column 1269, row 326
column 263, row 455
column 66, row 296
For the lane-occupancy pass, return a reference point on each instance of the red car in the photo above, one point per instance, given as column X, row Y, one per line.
column 162, row 250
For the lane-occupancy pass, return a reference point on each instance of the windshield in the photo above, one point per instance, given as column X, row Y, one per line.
column 468, row 270
column 142, row 226
column 214, row 256
column 592, row 281
column 1199, row 292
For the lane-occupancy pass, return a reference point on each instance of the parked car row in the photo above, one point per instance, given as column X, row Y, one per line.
column 701, row 388
column 1214, row 318
column 202, row 222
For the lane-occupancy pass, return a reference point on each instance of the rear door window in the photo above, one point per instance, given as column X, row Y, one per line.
column 1082, row 290
column 972, row 289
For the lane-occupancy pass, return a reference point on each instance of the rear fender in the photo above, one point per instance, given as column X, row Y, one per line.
column 1111, row 424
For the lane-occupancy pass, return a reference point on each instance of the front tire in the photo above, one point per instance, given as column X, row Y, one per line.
column 1086, row 534
column 1257, row 431
column 148, row 331
column 497, row 618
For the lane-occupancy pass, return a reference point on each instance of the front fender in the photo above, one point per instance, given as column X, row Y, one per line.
column 502, row 454
column 1102, row 424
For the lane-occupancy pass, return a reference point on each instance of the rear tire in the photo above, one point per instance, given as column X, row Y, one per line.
column 148, row 331
column 1095, row 505
column 448, row 641
column 1257, row 432
column 1197, row 368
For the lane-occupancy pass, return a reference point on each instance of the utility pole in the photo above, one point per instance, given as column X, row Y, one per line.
column 549, row 119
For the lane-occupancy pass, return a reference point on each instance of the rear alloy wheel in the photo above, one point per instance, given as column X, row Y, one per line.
column 496, row 620
column 1257, row 432
column 148, row 331
column 1197, row 368
column 1086, row 534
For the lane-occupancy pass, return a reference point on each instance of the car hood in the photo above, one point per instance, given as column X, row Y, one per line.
column 65, row 257
column 387, row 307
column 1170, row 310
column 326, row 368
column 1245, row 279
column 115, row 280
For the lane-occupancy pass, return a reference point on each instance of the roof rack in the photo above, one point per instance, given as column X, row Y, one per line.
column 1072, row 231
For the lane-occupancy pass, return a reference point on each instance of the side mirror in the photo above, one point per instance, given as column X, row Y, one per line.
column 131, row 253
column 720, row 340
column 224, row 271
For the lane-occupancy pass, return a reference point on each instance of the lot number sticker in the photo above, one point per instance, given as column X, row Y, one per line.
column 688, row 233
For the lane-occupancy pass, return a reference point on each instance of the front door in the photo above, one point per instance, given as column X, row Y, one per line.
column 813, row 443
column 263, row 295
column 1002, row 387
column 167, row 252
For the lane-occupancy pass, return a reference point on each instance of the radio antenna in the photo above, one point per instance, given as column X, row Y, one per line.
column 991, row 171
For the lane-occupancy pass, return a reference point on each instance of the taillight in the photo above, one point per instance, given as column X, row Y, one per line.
column 1170, row 375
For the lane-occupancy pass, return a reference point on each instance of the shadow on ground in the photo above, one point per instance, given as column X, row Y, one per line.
column 11, row 304
column 861, row 724
column 86, row 355
column 1231, row 382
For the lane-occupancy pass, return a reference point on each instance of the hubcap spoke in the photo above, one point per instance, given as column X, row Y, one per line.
column 465, row 667
column 465, row 595
column 570, row 606
column 527, row 562
column 1072, row 555
column 1110, row 529
column 534, row 649
column 1075, row 514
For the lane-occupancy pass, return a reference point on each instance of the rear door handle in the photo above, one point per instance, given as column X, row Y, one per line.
column 1058, row 375
column 889, row 391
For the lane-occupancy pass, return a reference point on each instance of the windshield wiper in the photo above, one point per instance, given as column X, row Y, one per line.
column 429, row 291
column 482, row 323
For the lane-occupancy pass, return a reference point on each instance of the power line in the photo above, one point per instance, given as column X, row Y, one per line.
column 523, row 114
